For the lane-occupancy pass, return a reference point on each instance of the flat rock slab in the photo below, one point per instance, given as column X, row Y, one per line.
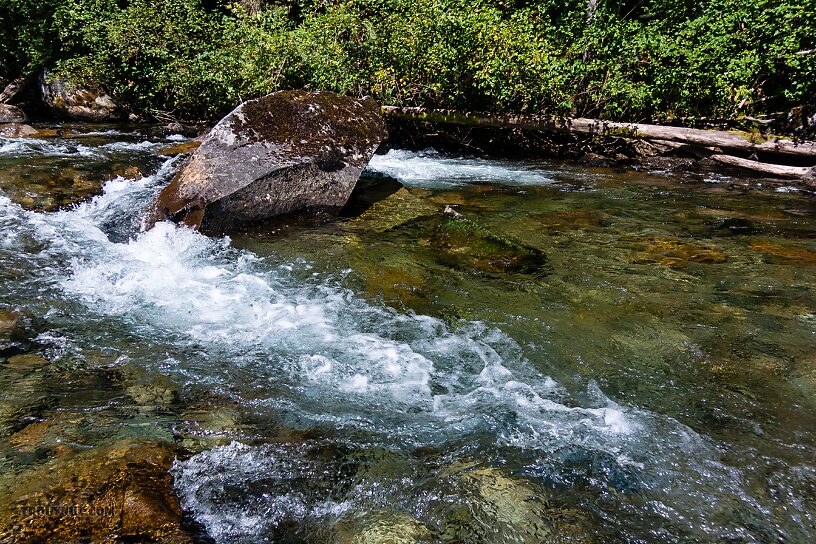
column 282, row 153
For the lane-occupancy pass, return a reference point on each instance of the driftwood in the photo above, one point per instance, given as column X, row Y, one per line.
column 736, row 141
column 806, row 173
column 714, row 143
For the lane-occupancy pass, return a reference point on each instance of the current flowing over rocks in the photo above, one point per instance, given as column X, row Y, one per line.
column 391, row 375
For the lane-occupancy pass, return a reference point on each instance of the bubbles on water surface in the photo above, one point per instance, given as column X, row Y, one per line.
column 430, row 169
column 321, row 353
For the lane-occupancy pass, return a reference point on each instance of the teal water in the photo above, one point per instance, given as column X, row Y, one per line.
column 339, row 379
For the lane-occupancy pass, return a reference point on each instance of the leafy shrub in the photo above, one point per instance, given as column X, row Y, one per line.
column 626, row 59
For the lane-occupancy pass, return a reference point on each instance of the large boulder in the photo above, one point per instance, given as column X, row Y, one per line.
column 65, row 100
column 14, row 90
column 282, row 153
column 11, row 114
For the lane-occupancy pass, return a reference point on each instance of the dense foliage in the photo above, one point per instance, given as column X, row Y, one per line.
column 630, row 59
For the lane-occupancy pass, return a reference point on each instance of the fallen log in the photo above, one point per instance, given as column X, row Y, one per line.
column 733, row 141
column 805, row 173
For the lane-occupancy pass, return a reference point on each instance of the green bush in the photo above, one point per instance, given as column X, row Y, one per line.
column 624, row 60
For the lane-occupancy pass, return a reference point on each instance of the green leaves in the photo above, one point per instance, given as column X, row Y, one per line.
column 631, row 59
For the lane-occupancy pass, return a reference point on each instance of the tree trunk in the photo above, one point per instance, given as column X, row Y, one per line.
column 805, row 173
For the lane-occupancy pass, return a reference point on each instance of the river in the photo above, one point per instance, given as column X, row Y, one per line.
column 652, row 381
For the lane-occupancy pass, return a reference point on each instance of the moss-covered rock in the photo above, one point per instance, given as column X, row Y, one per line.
column 282, row 153
column 462, row 242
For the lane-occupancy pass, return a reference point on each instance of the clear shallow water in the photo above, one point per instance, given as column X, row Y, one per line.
column 656, row 384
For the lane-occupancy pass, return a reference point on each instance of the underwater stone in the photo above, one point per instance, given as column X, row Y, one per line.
column 159, row 396
column 497, row 507
column 465, row 242
column 675, row 254
column 285, row 152
column 384, row 528
column 397, row 209
column 119, row 493
column 9, row 321
column 788, row 253
column 180, row 149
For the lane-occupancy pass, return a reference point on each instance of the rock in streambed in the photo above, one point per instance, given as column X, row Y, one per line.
column 282, row 153
column 462, row 242
column 119, row 493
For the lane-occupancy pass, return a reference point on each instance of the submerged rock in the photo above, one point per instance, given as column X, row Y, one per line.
column 180, row 149
column 462, row 241
column 65, row 100
column 785, row 253
column 285, row 152
column 23, row 400
column 9, row 321
column 383, row 528
column 47, row 189
column 125, row 171
column 567, row 220
column 25, row 362
column 397, row 209
column 15, row 333
column 674, row 254
column 209, row 423
column 119, row 493
column 31, row 437
column 159, row 395
column 497, row 508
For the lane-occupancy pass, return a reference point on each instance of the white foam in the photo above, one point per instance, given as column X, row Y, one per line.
column 430, row 169
column 235, row 467
column 15, row 147
column 321, row 354
column 31, row 146
column 337, row 353
column 131, row 146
